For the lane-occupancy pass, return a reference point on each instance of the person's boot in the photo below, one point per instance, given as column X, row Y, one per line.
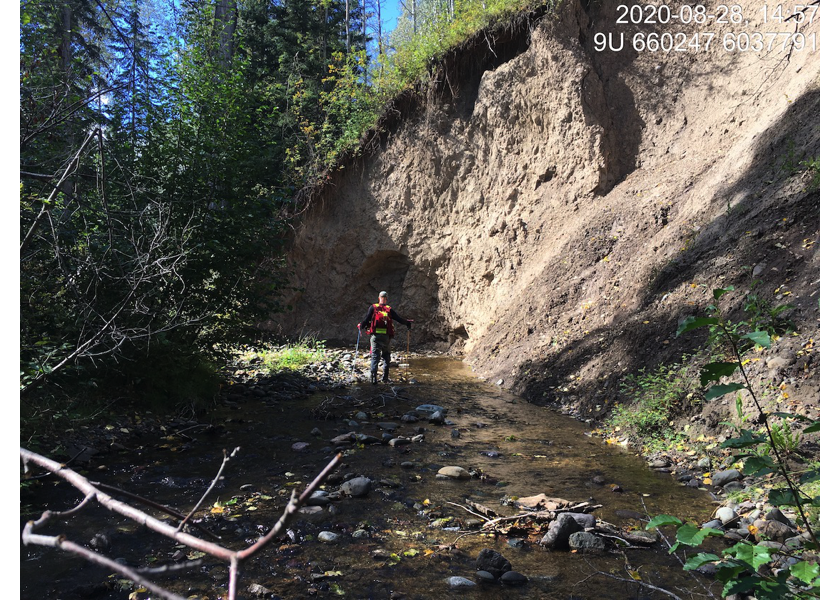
column 373, row 377
column 385, row 378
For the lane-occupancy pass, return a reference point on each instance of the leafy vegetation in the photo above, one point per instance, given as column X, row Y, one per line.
column 655, row 398
column 739, row 568
column 147, row 228
column 794, row 163
column 435, row 29
column 763, row 453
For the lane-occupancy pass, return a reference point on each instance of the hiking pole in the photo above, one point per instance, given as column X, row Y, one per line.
column 358, row 337
column 407, row 341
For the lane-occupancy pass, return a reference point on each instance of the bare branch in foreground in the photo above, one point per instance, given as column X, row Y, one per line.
column 92, row 492
column 89, row 555
column 152, row 504
column 225, row 459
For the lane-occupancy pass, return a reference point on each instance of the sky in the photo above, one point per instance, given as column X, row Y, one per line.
column 390, row 14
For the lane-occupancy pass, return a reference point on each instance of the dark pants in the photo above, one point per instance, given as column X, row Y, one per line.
column 380, row 346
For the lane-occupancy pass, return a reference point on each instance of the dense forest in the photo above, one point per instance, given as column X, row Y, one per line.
column 163, row 151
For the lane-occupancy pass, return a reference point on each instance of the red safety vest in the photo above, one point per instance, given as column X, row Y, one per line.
column 381, row 321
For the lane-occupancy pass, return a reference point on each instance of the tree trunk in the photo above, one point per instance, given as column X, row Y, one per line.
column 224, row 27
column 68, row 26
column 379, row 39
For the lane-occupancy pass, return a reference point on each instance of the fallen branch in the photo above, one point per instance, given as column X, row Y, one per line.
column 543, row 515
column 469, row 511
column 182, row 434
column 636, row 581
column 167, row 569
column 486, row 511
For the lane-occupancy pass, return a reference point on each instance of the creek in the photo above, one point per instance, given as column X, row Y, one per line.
column 516, row 449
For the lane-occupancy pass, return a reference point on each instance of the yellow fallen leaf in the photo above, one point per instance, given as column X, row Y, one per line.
column 635, row 575
column 707, row 481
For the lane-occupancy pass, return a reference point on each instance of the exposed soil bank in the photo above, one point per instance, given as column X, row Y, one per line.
column 556, row 215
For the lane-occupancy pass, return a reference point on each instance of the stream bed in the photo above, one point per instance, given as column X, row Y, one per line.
column 407, row 536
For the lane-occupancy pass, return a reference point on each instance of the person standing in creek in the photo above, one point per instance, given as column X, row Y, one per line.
column 379, row 323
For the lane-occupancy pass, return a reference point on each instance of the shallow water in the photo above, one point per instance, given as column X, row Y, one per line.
column 522, row 450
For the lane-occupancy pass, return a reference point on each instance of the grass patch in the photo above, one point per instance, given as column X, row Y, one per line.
column 293, row 356
column 442, row 31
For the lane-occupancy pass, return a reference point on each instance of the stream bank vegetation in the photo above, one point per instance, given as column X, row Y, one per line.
column 753, row 565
